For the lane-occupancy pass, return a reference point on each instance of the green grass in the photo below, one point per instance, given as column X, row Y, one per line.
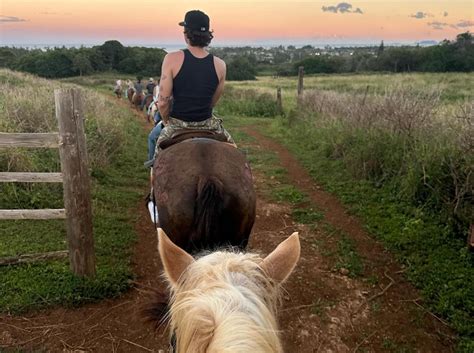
column 47, row 283
column 455, row 86
column 307, row 215
column 348, row 258
column 438, row 263
column 319, row 306
column 117, row 147
column 403, row 207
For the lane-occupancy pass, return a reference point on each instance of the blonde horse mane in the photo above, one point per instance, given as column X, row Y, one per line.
column 224, row 303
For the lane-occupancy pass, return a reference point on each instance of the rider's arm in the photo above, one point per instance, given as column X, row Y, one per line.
column 166, row 89
column 221, row 72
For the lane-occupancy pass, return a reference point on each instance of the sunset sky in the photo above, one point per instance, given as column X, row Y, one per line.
column 154, row 22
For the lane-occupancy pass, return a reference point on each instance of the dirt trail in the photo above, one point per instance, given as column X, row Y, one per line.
column 322, row 311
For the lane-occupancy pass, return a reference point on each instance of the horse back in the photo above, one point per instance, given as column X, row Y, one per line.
column 204, row 193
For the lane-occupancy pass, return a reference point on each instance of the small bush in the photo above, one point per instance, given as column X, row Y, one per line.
column 241, row 69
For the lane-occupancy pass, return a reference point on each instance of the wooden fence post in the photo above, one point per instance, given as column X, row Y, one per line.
column 74, row 167
column 365, row 94
column 279, row 102
column 300, row 80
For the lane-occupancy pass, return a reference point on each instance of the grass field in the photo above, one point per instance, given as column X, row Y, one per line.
column 116, row 146
column 402, row 160
column 453, row 86
column 411, row 186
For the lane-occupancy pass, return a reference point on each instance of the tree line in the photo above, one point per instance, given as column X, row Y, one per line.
column 448, row 56
column 246, row 63
column 67, row 62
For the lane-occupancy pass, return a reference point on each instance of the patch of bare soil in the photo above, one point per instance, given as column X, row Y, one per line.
column 322, row 310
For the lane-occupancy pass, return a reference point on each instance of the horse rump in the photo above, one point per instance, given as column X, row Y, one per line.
column 204, row 194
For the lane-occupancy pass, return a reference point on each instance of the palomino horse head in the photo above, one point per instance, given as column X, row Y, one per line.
column 225, row 302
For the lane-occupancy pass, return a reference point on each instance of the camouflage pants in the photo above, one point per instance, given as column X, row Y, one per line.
column 212, row 124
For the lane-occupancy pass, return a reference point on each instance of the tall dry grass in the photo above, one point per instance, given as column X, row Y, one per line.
column 405, row 136
column 27, row 105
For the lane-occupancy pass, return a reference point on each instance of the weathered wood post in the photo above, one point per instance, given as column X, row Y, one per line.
column 279, row 103
column 300, row 80
column 365, row 94
column 77, row 194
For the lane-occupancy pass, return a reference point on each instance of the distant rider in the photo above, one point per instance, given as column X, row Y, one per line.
column 118, row 88
column 155, row 132
column 138, row 88
column 149, row 88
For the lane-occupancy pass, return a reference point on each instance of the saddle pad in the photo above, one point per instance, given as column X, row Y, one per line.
column 185, row 134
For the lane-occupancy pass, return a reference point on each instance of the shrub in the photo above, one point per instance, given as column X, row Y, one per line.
column 240, row 69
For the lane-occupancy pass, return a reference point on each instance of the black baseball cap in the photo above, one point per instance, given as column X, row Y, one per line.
column 196, row 20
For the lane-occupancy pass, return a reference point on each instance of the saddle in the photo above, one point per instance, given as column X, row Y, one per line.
column 187, row 134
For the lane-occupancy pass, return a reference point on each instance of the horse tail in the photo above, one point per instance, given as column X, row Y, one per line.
column 208, row 209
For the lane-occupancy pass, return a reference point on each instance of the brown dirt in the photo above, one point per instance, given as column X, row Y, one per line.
column 323, row 310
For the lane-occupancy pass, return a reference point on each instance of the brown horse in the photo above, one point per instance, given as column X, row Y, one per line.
column 137, row 100
column 130, row 93
column 204, row 194
column 148, row 101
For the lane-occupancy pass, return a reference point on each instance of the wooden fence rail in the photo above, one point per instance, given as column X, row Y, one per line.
column 11, row 177
column 45, row 213
column 32, row 140
column 74, row 175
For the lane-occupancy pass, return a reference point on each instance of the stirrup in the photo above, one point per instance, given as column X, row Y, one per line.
column 149, row 164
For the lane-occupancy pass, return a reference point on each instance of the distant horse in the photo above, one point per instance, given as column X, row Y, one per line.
column 118, row 92
column 226, row 301
column 204, row 194
column 148, row 101
column 130, row 92
column 137, row 100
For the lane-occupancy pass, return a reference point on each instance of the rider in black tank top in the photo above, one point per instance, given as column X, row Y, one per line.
column 192, row 81
column 193, row 88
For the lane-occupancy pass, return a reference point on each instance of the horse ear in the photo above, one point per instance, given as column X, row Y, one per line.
column 175, row 260
column 280, row 263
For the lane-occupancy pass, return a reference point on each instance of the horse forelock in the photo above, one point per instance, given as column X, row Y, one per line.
column 224, row 303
